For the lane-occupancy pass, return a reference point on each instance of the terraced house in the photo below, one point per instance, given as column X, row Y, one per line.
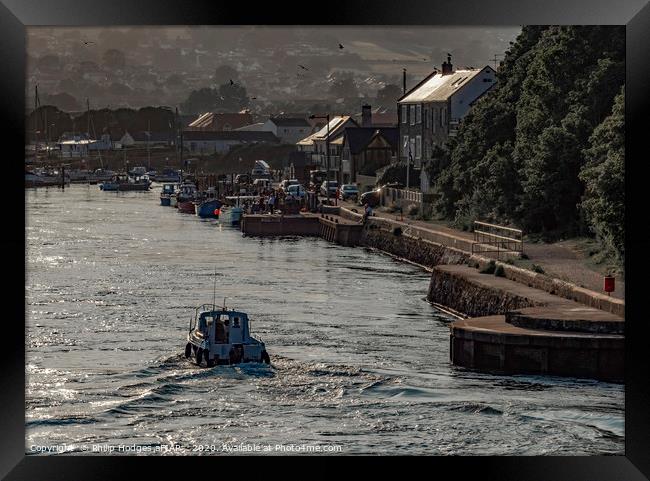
column 431, row 111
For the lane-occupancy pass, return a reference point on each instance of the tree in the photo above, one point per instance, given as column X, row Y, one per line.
column 232, row 97
column 603, row 203
column 114, row 59
column 63, row 101
column 223, row 74
column 344, row 88
column 387, row 96
column 199, row 101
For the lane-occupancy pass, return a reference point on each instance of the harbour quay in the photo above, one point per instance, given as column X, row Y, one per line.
column 519, row 323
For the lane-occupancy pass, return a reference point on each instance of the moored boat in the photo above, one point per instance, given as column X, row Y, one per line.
column 185, row 198
column 166, row 193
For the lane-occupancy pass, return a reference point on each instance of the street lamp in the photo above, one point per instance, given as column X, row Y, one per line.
column 327, row 148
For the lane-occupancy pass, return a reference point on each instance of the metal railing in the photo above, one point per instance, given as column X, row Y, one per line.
column 497, row 239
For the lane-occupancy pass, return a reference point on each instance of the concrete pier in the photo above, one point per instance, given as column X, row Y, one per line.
column 329, row 226
column 530, row 331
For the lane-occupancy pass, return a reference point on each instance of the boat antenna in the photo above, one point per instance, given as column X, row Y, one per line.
column 224, row 303
column 214, row 290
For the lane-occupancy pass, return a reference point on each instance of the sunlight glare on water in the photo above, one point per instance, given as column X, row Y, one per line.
column 359, row 358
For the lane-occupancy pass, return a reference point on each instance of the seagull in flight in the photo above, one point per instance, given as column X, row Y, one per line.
column 231, row 82
column 88, row 43
column 303, row 67
column 340, row 46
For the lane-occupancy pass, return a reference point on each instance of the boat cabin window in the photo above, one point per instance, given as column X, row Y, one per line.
column 235, row 322
column 220, row 334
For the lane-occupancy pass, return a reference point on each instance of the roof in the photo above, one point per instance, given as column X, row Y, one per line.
column 216, row 121
column 241, row 135
column 290, row 122
column 336, row 126
column 145, row 136
column 440, row 87
column 359, row 138
column 258, row 127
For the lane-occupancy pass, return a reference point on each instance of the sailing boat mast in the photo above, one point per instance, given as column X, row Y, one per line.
column 148, row 152
column 36, row 102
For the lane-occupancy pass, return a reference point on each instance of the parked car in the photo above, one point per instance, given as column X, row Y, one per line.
column 330, row 185
column 261, row 184
column 295, row 190
column 286, row 183
column 371, row 198
column 243, row 179
column 349, row 191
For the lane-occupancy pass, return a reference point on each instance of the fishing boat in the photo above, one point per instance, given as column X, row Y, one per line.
column 124, row 183
column 168, row 175
column 231, row 214
column 185, row 198
column 35, row 179
column 218, row 335
column 165, row 195
column 207, row 206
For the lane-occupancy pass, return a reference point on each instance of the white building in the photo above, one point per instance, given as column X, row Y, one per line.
column 289, row 130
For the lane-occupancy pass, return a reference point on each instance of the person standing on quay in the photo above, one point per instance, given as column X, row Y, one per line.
column 271, row 202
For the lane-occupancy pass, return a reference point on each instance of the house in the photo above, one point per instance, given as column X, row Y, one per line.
column 215, row 122
column 377, row 118
column 210, row 142
column 151, row 138
column 430, row 113
column 289, row 130
column 316, row 143
column 365, row 150
column 74, row 146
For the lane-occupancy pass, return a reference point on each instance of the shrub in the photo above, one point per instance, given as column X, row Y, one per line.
column 392, row 207
column 413, row 209
column 489, row 268
column 397, row 231
column 524, row 256
column 537, row 269
column 499, row 271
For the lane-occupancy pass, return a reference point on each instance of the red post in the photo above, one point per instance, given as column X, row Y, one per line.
column 609, row 284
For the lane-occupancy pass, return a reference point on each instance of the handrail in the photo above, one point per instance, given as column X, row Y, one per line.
column 511, row 239
column 519, row 231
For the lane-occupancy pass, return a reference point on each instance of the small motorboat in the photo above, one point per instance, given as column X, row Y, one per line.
column 124, row 183
column 222, row 336
column 166, row 193
column 207, row 206
column 185, row 197
column 232, row 214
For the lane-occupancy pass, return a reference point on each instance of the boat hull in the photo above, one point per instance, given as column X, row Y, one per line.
column 206, row 209
column 186, row 207
column 231, row 216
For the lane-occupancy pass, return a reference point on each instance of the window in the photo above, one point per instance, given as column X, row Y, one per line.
column 418, row 114
column 405, row 146
column 426, row 118
column 418, row 147
column 434, row 118
column 404, row 113
column 443, row 111
column 412, row 148
column 412, row 114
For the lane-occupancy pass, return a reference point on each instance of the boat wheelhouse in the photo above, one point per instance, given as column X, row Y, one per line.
column 232, row 213
column 222, row 336
column 165, row 194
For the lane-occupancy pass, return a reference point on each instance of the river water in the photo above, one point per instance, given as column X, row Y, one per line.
column 359, row 360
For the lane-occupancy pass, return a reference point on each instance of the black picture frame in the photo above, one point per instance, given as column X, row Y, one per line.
column 15, row 15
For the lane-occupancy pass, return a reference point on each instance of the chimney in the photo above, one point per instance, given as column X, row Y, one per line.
column 447, row 68
column 366, row 116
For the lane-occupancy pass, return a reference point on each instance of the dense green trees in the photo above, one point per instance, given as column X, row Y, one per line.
column 536, row 151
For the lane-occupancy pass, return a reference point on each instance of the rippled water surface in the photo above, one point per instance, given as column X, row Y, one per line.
column 359, row 359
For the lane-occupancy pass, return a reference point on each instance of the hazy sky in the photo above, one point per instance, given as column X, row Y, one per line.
column 271, row 61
